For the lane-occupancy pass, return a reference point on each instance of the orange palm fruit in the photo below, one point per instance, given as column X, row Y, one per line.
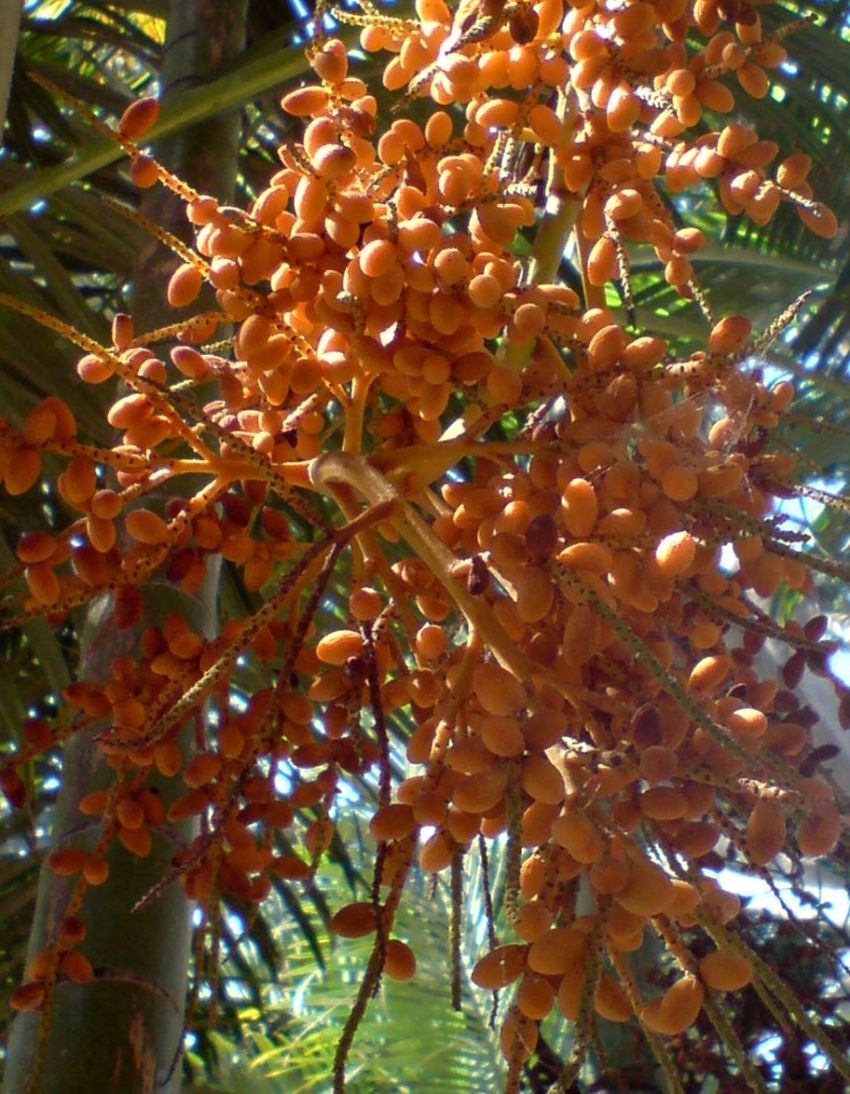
column 570, row 990
column 399, row 960
column 533, row 920
column 820, row 830
column 138, row 118
column 648, row 891
column 184, row 286
column 355, row 920
column 766, row 831
column 498, row 691
column 677, row 1009
column 580, row 836
column 558, row 949
column 76, row 967
column 67, row 862
column 535, row 997
column 610, row 1000
column 28, row 996
column 518, row 1036
column 499, row 967
column 725, row 971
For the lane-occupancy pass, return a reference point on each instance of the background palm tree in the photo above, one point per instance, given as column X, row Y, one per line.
column 124, row 1029
column 66, row 251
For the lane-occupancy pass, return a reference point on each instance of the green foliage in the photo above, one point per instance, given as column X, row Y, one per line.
column 411, row 1040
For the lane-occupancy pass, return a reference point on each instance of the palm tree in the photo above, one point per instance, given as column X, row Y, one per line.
column 77, row 262
column 126, row 1027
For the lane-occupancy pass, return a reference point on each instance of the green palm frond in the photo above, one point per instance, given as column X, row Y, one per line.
column 411, row 1040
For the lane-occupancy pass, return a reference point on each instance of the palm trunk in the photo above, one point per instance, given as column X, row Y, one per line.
column 10, row 21
column 123, row 1031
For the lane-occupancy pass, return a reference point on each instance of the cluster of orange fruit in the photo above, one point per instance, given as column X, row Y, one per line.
column 532, row 500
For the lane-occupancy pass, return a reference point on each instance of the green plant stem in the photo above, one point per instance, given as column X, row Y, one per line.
column 551, row 237
column 546, row 254
column 732, row 1043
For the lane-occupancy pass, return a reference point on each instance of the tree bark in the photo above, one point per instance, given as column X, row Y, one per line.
column 123, row 1031
column 10, row 21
